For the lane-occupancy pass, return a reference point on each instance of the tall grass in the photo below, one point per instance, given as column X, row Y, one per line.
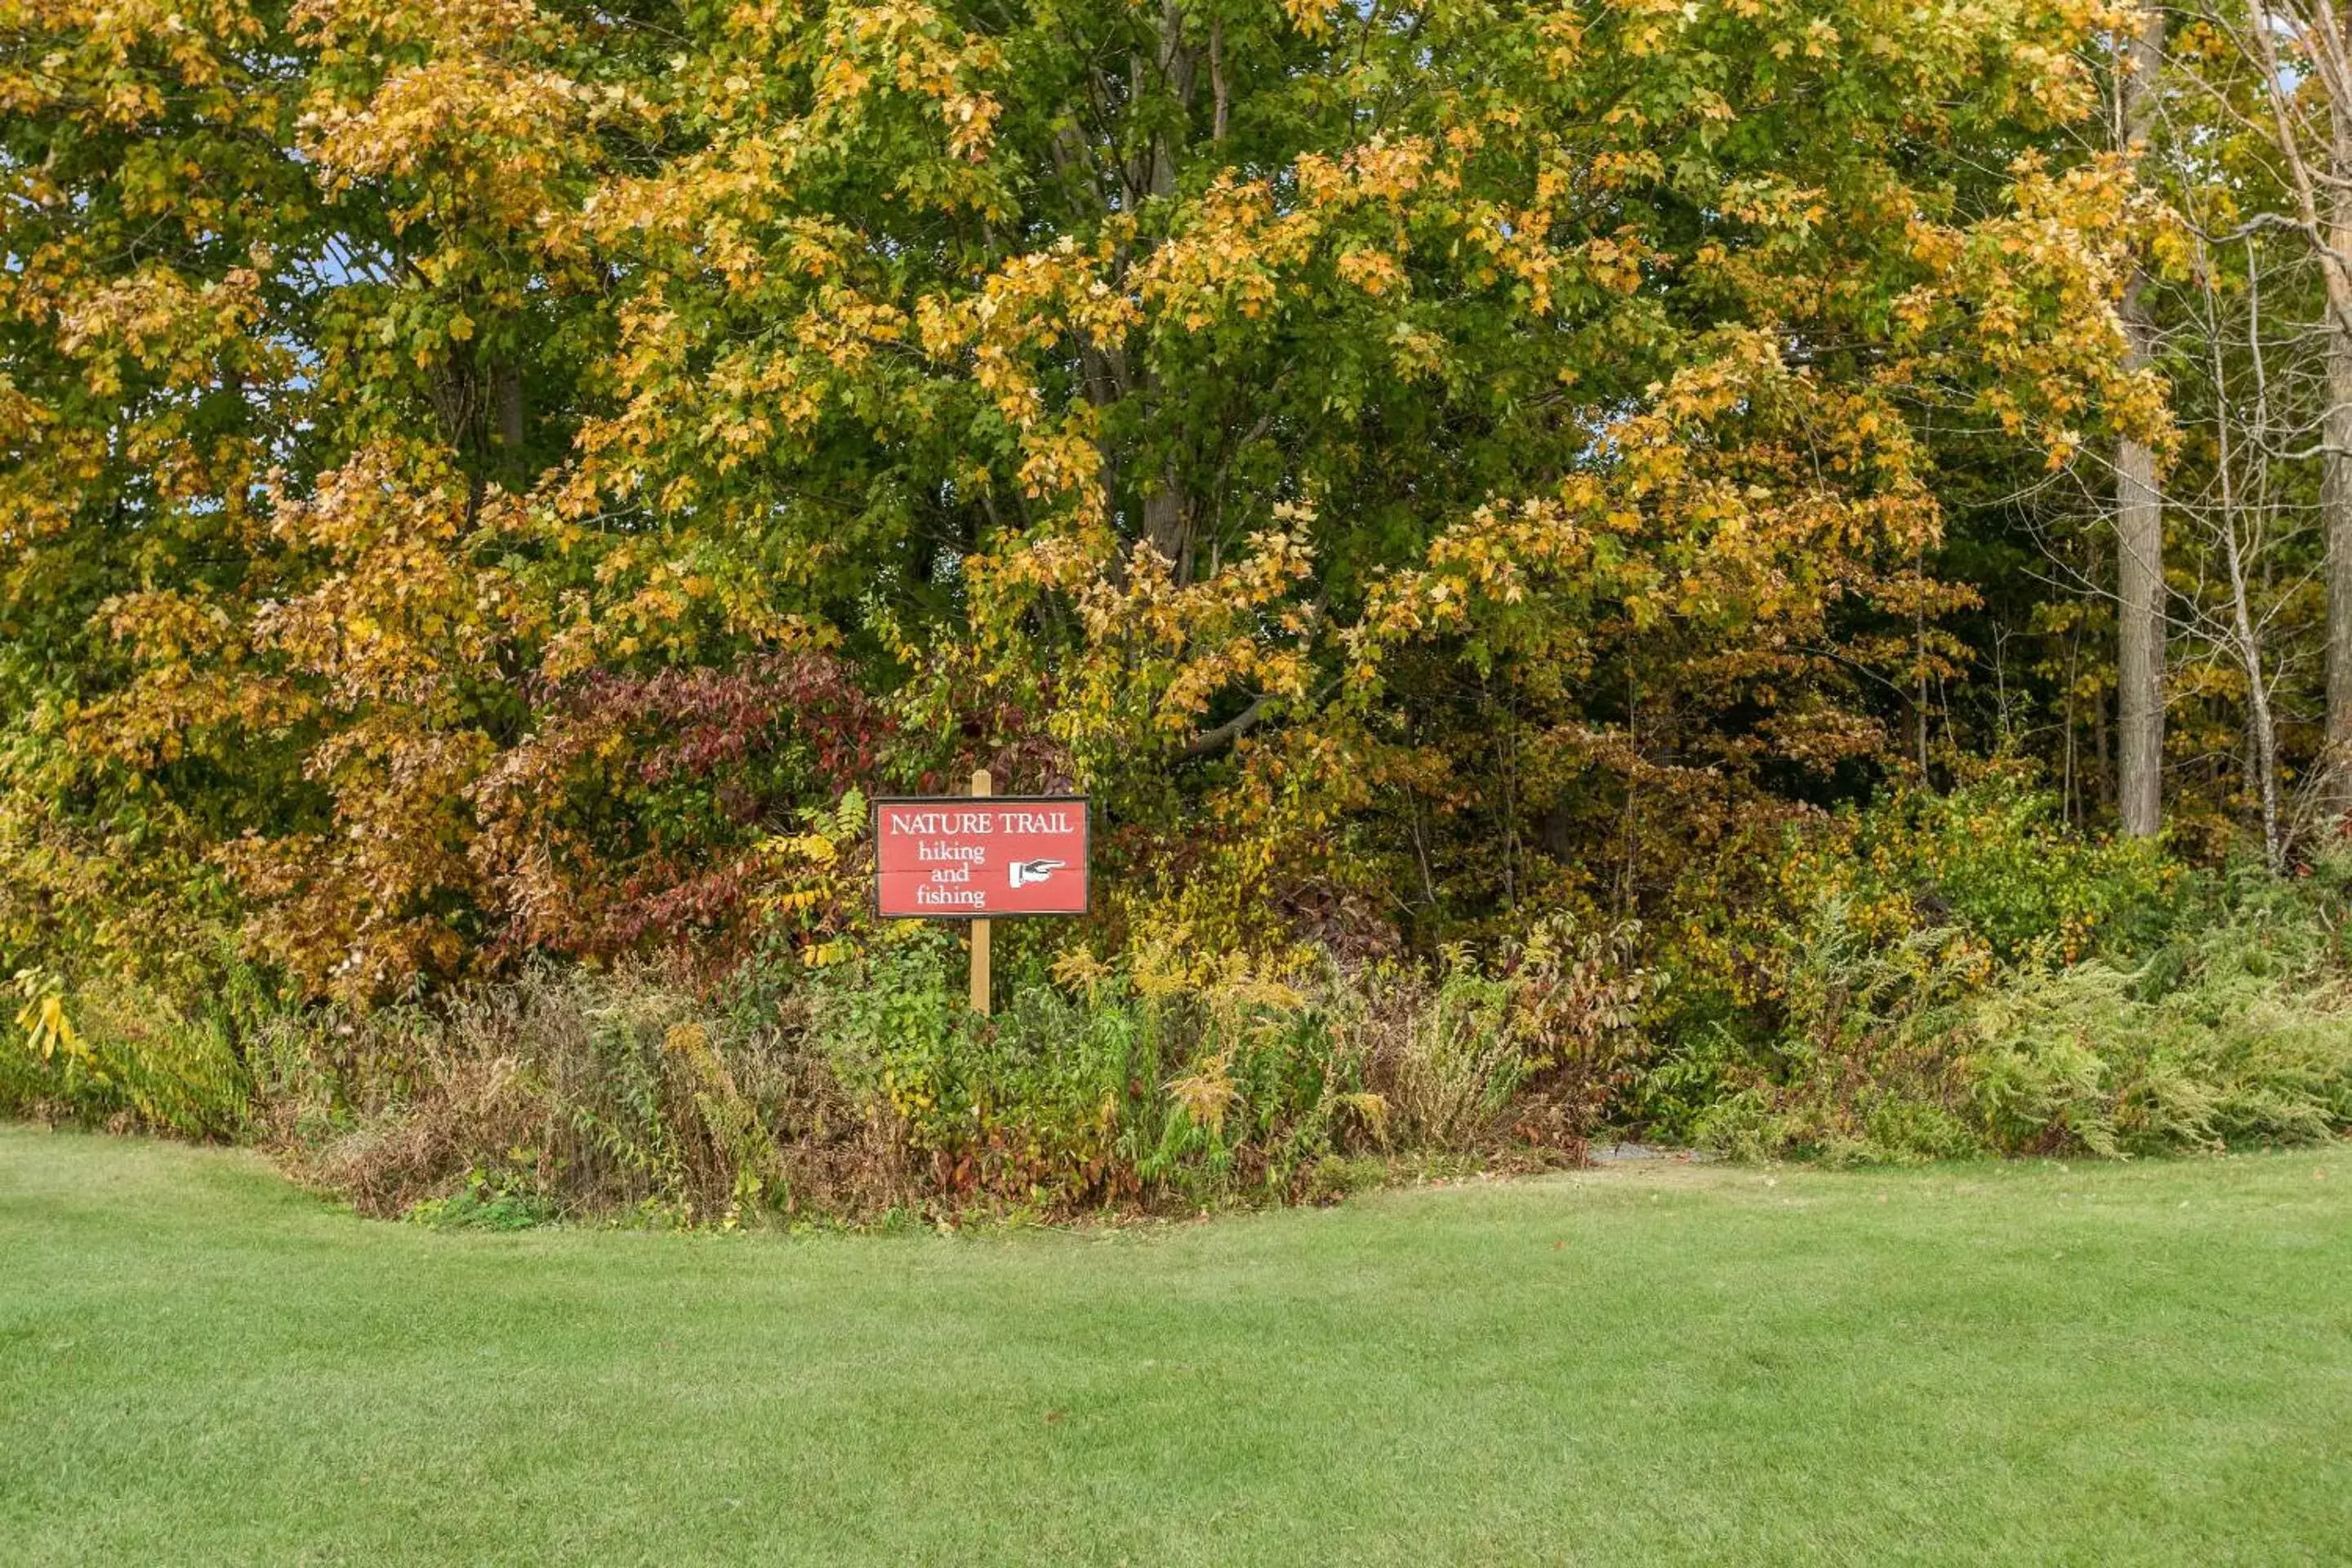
column 1901, row 1007
column 1166, row 1079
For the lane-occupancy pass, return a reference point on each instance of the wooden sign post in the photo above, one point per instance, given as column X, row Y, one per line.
column 982, row 786
column 981, row 858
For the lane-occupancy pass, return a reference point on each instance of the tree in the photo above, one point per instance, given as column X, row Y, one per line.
column 2277, row 75
column 1446, row 456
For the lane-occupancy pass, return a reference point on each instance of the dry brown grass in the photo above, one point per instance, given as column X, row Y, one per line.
column 584, row 1093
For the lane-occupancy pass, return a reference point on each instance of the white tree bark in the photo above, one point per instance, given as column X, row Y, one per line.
column 2336, row 506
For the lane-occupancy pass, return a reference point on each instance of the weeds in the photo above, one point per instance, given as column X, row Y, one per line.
column 841, row 1076
column 1169, row 1080
column 1166, row 1080
column 2234, row 1031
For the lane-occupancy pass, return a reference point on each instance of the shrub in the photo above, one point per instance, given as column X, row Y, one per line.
column 1173, row 1077
column 2235, row 1029
column 1994, row 861
column 483, row 1204
column 624, row 1092
column 2238, row 1031
column 1997, row 860
column 1165, row 1078
column 121, row 1055
column 1857, row 1071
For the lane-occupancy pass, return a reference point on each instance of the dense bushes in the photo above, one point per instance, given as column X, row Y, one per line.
column 1166, row 1079
column 1943, row 976
column 119, row 1054
column 1172, row 1075
column 2217, row 1014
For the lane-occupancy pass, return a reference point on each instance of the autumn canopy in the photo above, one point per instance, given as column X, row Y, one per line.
column 470, row 468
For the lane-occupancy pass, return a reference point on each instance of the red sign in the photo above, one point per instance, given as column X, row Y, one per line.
column 960, row 857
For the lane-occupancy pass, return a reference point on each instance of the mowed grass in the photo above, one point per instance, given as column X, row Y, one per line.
column 2029, row 1364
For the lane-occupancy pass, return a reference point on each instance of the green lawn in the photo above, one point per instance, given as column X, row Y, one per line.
column 2146, row 1363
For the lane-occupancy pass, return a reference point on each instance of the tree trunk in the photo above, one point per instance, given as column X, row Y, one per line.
column 506, row 382
column 2262, row 731
column 2139, row 517
column 2336, row 504
column 1168, row 524
column 2139, row 659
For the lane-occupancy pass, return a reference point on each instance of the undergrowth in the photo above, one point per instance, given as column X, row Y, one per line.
column 1937, row 978
column 1166, row 1080
column 2232, row 1029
